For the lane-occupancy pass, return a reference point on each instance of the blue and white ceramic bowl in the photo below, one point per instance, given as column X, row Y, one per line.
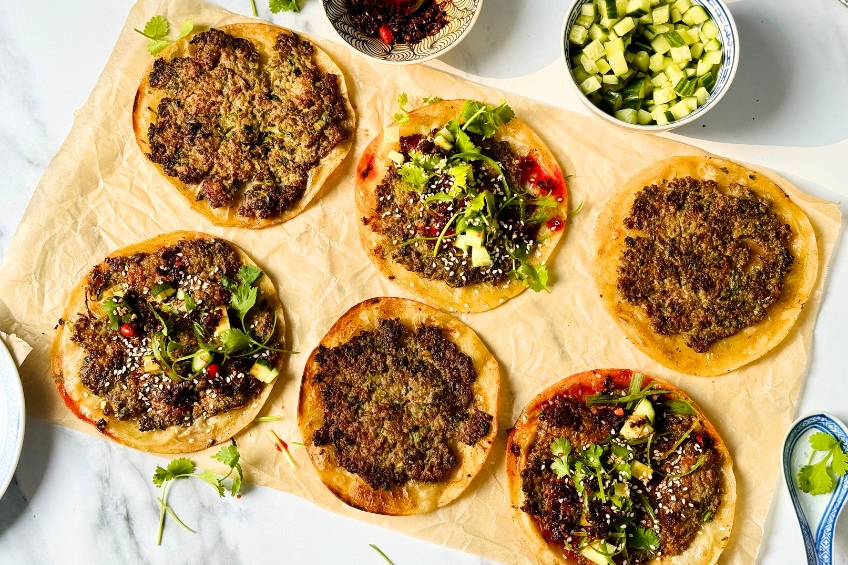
column 817, row 515
column 11, row 418
column 462, row 14
column 728, row 34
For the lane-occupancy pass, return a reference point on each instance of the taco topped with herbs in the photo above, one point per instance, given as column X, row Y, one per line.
column 461, row 203
column 170, row 345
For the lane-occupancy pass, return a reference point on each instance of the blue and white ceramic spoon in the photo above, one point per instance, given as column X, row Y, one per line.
column 816, row 514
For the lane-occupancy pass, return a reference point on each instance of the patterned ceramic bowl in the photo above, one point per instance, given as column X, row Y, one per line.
column 728, row 34
column 461, row 17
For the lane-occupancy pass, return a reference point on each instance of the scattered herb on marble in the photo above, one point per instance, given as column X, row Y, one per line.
column 402, row 117
column 156, row 30
column 383, row 555
column 277, row 6
column 815, row 478
column 182, row 468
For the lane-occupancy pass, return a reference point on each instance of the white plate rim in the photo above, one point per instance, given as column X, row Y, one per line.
column 10, row 382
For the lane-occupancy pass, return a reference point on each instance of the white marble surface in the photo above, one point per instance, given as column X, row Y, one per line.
column 78, row 499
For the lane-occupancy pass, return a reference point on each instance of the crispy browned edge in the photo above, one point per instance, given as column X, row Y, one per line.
column 752, row 342
column 66, row 358
column 263, row 36
column 710, row 541
column 415, row 497
column 372, row 168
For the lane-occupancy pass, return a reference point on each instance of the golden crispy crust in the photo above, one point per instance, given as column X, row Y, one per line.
column 752, row 342
column 372, row 168
column 67, row 357
column 414, row 497
column 708, row 544
column 263, row 37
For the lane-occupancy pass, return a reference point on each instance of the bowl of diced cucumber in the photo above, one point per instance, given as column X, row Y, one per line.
column 650, row 65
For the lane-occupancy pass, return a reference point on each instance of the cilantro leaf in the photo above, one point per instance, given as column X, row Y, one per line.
column 249, row 274
column 234, row 490
column 156, row 27
column 438, row 197
column 823, row 441
column 680, row 407
column 157, row 45
column 643, row 538
column 277, row 6
column 461, row 140
column 175, row 468
column 431, row 99
column 402, row 116
column 814, row 479
column 186, row 28
column 461, row 175
column 419, row 169
column 228, row 455
column 560, row 467
column 561, row 447
column 483, row 119
column 212, row 479
column 592, row 455
column 534, row 277
column 229, row 283
column 234, row 340
column 839, row 463
column 243, row 299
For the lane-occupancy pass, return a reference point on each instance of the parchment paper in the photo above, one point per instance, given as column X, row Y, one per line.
column 100, row 194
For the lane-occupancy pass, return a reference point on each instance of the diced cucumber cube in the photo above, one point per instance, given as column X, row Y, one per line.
column 576, row 59
column 624, row 25
column 626, row 115
column 682, row 5
column 599, row 33
column 607, row 22
column 710, row 29
column 697, row 49
column 687, row 19
column 686, row 86
column 680, row 110
column 480, row 257
column 660, row 119
column 613, row 46
column 608, row 9
column 588, row 64
column 578, row 35
column 711, row 57
column 594, row 50
column 661, row 45
column 703, row 68
column 689, row 36
column 626, row 76
column 643, row 118
column 638, row 8
column 707, row 81
column 676, row 16
column 635, row 89
column 660, row 107
column 610, row 79
column 691, row 102
column 618, row 63
column 656, row 62
column 584, row 21
column 655, row 3
column 698, row 14
column 680, row 54
column 641, row 61
column 590, row 85
column 658, row 79
column 611, row 101
column 661, row 14
column 664, row 95
column 603, row 66
column 629, row 56
column 675, row 39
column 712, row 45
column 595, row 98
column 667, row 84
column 587, row 10
column 701, row 94
column 645, row 20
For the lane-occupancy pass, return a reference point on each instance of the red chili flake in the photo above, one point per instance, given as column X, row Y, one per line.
column 238, row 496
column 386, row 35
column 212, row 370
column 127, row 330
column 619, row 411
column 699, row 439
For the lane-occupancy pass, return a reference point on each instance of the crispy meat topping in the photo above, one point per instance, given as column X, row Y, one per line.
column 396, row 401
column 245, row 130
column 701, row 262
column 122, row 370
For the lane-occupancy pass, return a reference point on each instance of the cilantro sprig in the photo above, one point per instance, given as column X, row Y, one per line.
column 156, row 30
column 815, row 478
column 183, row 468
column 402, row 115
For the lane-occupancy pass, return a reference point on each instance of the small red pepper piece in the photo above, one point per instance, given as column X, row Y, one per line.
column 212, row 370
column 127, row 330
column 386, row 34
column 619, row 411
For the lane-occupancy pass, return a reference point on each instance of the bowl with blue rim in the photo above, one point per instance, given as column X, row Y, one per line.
column 649, row 65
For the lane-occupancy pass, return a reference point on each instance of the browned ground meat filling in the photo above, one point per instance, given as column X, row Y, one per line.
column 114, row 364
column 244, row 129
column 396, row 401
column 704, row 264
column 681, row 504
column 404, row 216
column 368, row 16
